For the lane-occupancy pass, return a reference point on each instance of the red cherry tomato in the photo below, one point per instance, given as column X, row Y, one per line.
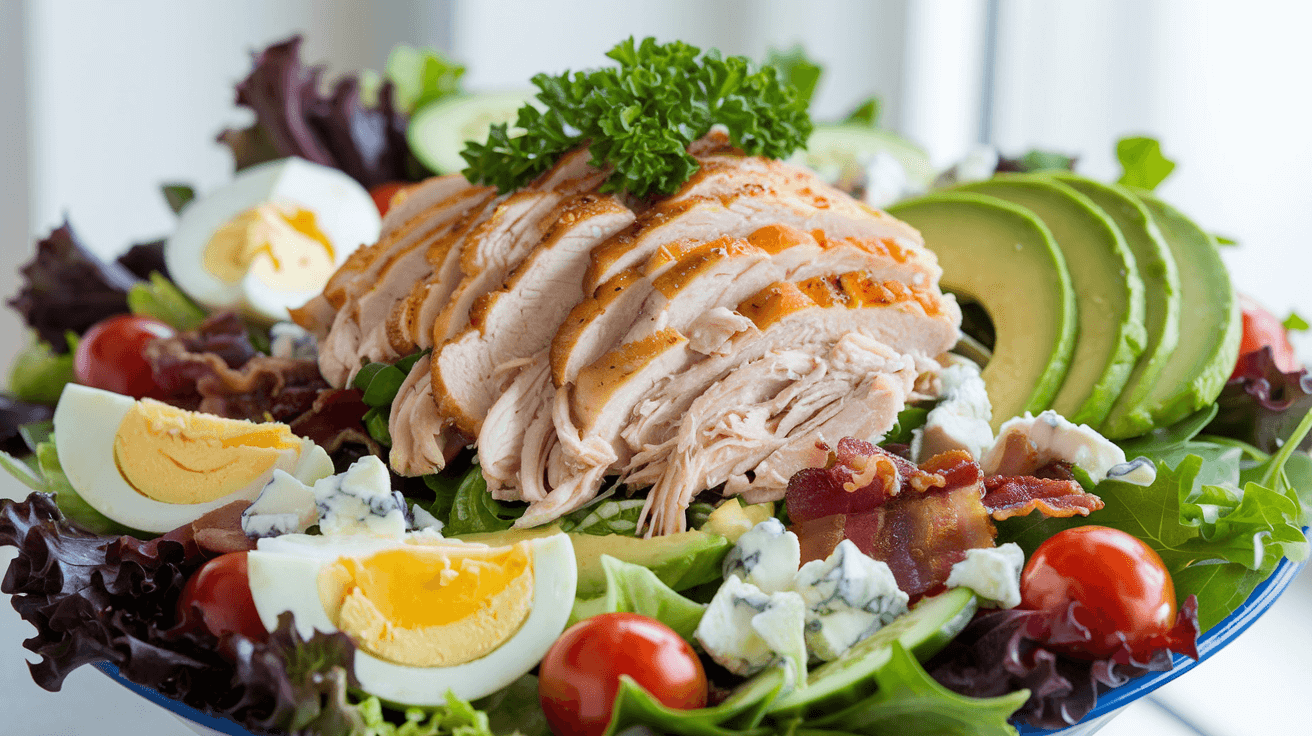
column 109, row 355
column 580, row 675
column 218, row 597
column 1262, row 329
column 1120, row 583
column 383, row 194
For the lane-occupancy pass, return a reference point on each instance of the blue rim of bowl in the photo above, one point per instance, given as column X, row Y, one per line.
column 1261, row 599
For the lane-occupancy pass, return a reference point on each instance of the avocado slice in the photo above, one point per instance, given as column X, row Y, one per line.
column 681, row 561
column 987, row 249
column 1130, row 417
column 1210, row 324
column 1108, row 291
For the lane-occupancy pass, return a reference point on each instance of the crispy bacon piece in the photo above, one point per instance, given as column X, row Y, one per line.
column 215, row 369
column 1008, row 496
column 918, row 520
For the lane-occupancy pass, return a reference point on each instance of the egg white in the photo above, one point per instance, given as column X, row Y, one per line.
column 284, row 576
column 86, row 423
column 343, row 210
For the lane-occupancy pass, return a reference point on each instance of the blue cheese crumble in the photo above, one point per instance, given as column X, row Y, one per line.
column 993, row 573
column 848, row 596
column 767, row 557
column 361, row 501
column 961, row 419
column 746, row 629
column 285, row 506
column 1027, row 443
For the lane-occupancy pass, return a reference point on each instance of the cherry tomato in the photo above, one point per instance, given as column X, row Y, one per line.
column 109, row 356
column 1262, row 329
column 218, row 597
column 580, row 675
column 383, row 194
column 1119, row 582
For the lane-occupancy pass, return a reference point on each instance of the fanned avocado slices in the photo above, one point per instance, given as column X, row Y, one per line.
column 1001, row 256
column 1210, row 325
column 1108, row 291
column 1130, row 416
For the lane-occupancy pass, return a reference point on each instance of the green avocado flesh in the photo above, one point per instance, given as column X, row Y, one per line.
column 1131, row 416
column 1108, row 291
column 1001, row 256
column 1210, row 325
column 437, row 132
column 681, row 561
column 923, row 631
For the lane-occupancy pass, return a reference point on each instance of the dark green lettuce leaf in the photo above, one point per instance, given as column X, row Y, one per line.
column 473, row 509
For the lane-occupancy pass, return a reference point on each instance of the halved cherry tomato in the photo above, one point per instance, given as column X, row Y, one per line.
column 383, row 194
column 218, row 597
column 1123, row 590
column 1263, row 329
column 580, row 675
column 110, row 355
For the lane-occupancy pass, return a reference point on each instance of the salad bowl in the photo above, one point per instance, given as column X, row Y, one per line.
column 290, row 471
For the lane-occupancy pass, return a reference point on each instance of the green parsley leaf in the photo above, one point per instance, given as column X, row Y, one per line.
column 797, row 70
column 1142, row 162
column 1295, row 323
column 639, row 117
column 867, row 113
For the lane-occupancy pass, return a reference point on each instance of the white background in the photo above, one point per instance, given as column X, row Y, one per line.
column 102, row 101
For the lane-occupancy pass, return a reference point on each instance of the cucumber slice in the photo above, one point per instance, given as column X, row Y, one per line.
column 438, row 132
column 834, row 150
column 923, row 631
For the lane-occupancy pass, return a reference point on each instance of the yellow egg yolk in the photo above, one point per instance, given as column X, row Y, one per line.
column 178, row 456
column 430, row 606
column 281, row 245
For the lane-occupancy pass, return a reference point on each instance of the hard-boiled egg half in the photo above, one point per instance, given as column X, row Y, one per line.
column 427, row 614
column 271, row 238
column 155, row 467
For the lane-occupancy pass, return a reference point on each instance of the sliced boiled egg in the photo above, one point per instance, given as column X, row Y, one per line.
column 155, row 467
column 271, row 238
column 427, row 614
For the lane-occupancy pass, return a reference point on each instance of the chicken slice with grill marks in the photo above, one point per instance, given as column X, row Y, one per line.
column 515, row 322
column 752, row 189
column 416, row 210
column 485, row 256
column 357, row 332
column 772, row 411
column 609, row 394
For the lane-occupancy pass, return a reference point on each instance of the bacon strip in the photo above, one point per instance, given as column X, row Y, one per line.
column 1018, row 495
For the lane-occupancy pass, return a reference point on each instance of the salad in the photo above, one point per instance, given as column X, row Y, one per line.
column 625, row 406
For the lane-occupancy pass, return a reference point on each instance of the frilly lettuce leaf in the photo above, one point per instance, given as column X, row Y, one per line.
column 457, row 718
column 797, row 70
column 633, row 588
column 421, row 76
column 66, row 288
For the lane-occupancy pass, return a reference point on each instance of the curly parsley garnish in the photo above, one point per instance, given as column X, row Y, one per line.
column 640, row 117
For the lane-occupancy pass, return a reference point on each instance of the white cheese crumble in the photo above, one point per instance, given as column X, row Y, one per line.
column 421, row 519
column 746, row 629
column 849, row 596
column 285, row 506
column 993, row 573
column 361, row 500
column 1054, row 438
column 961, row 419
column 767, row 557
column 1140, row 472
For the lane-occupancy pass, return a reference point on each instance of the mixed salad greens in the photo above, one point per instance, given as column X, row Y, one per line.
column 1228, row 495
